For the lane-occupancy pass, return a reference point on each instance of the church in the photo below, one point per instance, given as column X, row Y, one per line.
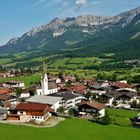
column 47, row 87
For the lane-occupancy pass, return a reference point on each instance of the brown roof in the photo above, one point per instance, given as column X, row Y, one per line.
column 33, row 107
column 93, row 104
column 4, row 97
column 6, row 104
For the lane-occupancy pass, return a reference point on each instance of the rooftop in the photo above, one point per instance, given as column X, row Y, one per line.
column 5, row 91
column 93, row 104
column 44, row 99
column 67, row 95
column 31, row 107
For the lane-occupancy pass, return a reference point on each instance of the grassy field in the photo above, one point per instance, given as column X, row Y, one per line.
column 70, row 129
column 121, row 117
column 81, row 73
column 26, row 79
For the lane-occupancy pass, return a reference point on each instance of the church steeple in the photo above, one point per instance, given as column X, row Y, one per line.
column 44, row 69
column 44, row 81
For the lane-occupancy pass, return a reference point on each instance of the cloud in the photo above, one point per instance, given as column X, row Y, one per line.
column 38, row 2
column 80, row 4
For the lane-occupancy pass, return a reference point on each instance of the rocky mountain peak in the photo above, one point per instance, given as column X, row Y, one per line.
column 14, row 40
column 92, row 19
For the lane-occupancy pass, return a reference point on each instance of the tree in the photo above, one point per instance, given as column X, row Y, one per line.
column 68, row 83
column 18, row 91
column 73, row 112
column 61, row 109
column 88, row 95
column 133, row 104
column 105, row 120
column 77, row 77
column 32, row 92
column 60, row 75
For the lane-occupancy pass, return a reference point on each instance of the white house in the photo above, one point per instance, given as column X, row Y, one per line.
column 69, row 99
column 15, row 84
column 25, row 112
column 90, row 108
column 24, row 95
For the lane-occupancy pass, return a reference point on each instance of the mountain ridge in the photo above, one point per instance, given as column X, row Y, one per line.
column 95, row 33
column 76, row 20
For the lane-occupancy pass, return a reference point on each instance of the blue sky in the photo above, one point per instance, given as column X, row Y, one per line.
column 20, row 16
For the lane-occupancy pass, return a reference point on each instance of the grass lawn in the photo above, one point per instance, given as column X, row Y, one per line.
column 26, row 79
column 70, row 129
column 121, row 117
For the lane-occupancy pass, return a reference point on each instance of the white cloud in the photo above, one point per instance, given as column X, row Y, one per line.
column 38, row 2
column 80, row 3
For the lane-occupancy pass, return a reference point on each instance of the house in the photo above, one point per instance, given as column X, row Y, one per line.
column 2, row 75
column 8, row 98
column 25, row 94
column 3, row 113
column 80, row 89
column 121, row 99
column 103, row 83
column 107, row 99
column 118, row 85
column 7, row 91
column 90, row 108
column 53, row 102
column 69, row 78
column 136, row 121
column 1, row 105
column 15, row 84
column 69, row 99
column 25, row 112
column 129, row 90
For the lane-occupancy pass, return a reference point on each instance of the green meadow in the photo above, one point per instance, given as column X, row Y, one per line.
column 121, row 117
column 28, row 80
column 70, row 129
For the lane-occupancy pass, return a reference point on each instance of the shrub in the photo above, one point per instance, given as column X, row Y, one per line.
column 73, row 112
column 61, row 109
column 105, row 120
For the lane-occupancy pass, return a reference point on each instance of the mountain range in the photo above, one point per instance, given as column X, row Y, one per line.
column 87, row 34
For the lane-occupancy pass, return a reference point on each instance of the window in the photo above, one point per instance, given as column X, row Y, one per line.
column 83, row 109
column 89, row 110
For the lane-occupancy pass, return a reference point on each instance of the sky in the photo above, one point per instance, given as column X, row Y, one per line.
column 20, row 16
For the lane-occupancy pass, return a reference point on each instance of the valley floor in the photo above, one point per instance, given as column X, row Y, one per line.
column 75, row 129
column 70, row 129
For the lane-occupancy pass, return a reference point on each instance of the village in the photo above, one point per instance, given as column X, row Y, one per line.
column 65, row 96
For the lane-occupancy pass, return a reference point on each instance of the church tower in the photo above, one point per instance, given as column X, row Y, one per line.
column 44, row 81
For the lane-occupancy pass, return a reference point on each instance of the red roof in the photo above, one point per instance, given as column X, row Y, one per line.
column 5, row 91
column 33, row 107
column 121, row 85
column 79, row 88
